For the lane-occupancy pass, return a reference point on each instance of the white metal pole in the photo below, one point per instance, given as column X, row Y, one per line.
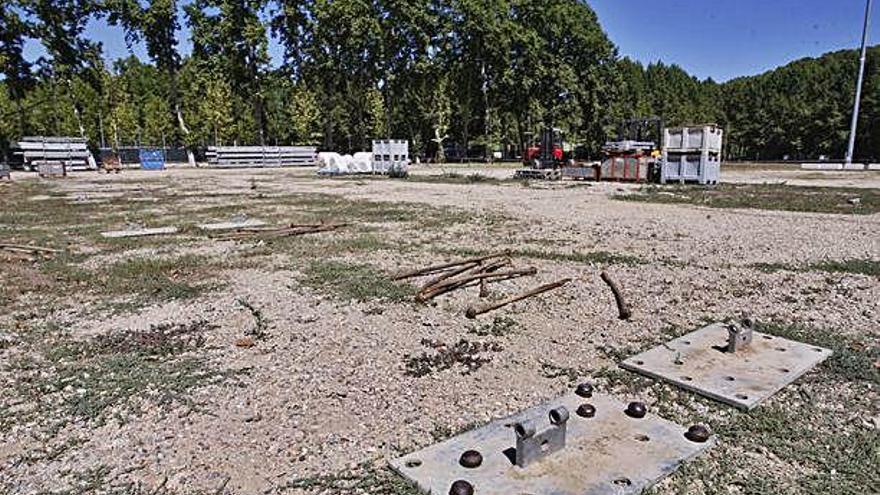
column 855, row 119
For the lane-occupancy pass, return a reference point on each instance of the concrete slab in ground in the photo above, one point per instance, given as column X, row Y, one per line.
column 699, row 362
column 610, row 453
column 119, row 234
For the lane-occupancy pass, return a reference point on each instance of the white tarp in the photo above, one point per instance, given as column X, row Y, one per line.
column 336, row 164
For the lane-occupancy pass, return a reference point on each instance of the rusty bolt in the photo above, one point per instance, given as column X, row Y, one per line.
column 698, row 434
column 586, row 411
column 636, row 410
column 461, row 487
column 471, row 459
column 584, row 390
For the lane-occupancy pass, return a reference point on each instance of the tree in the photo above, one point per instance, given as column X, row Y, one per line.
column 16, row 71
column 305, row 114
column 229, row 38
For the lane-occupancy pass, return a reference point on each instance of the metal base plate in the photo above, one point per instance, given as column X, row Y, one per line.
column 610, row 453
column 698, row 362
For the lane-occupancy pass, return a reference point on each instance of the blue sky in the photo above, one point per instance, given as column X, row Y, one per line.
column 721, row 39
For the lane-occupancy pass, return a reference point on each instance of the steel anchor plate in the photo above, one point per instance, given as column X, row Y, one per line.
column 609, row 453
column 702, row 362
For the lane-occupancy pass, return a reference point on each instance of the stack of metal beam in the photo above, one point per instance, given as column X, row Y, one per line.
column 67, row 153
column 262, row 156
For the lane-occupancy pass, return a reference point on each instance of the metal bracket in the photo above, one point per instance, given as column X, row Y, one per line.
column 739, row 337
column 531, row 447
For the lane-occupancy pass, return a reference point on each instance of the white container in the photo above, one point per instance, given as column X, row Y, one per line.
column 390, row 155
column 703, row 168
column 707, row 138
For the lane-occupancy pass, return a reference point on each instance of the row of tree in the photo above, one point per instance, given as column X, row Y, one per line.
column 487, row 73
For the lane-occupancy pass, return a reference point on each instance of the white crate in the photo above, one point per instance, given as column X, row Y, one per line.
column 703, row 168
column 701, row 139
column 390, row 155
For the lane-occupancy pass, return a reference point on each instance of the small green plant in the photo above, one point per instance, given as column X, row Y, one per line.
column 364, row 479
column 354, row 282
column 764, row 197
column 867, row 267
column 261, row 323
column 595, row 257
column 112, row 375
column 500, row 326
column 469, row 355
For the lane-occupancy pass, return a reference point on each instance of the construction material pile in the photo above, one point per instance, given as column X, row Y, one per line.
column 55, row 156
column 261, row 156
column 336, row 164
column 291, row 230
column 473, row 272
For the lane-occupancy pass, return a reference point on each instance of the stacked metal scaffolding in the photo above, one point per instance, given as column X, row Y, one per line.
column 262, row 156
column 55, row 153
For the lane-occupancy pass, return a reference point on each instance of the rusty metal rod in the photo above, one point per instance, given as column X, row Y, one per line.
column 438, row 268
column 474, row 311
column 452, row 288
column 459, row 282
column 474, row 277
column 448, row 275
column 484, row 284
column 468, row 270
column 29, row 249
column 622, row 307
column 295, row 231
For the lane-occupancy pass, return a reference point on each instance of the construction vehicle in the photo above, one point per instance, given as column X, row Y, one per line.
column 548, row 153
column 544, row 158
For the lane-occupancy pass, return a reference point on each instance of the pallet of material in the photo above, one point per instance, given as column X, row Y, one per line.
column 71, row 153
column 259, row 156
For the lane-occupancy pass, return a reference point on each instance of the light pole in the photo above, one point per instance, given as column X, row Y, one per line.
column 855, row 119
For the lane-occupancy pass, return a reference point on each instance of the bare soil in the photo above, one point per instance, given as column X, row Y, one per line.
column 187, row 364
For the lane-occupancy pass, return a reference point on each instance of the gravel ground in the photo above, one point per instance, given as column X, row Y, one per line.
column 327, row 389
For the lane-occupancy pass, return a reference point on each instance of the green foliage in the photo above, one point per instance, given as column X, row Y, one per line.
column 466, row 72
column 765, row 197
column 354, row 282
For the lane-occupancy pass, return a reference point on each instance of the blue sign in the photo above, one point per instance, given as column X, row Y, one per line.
column 152, row 159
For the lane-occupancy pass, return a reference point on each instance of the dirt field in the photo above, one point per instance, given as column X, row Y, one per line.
column 186, row 364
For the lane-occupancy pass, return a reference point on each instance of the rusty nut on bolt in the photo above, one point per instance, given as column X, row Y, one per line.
column 584, row 390
column 698, row 434
column 461, row 487
column 471, row 459
column 586, row 411
column 636, row 410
